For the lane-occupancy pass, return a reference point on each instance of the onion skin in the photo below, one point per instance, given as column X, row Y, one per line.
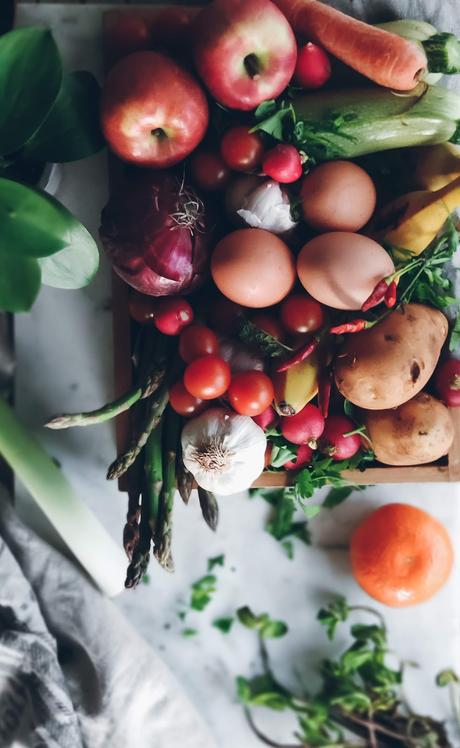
column 147, row 240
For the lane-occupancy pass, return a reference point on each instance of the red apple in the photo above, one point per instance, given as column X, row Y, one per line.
column 153, row 112
column 244, row 50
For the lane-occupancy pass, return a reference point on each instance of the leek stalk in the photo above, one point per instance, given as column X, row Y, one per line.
column 352, row 123
column 79, row 528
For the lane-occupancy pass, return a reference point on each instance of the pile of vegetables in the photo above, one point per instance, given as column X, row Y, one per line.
column 291, row 295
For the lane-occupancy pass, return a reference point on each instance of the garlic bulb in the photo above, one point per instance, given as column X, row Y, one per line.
column 225, row 452
column 260, row 203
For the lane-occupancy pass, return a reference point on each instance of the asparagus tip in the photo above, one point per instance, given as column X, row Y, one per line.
column 59, row 422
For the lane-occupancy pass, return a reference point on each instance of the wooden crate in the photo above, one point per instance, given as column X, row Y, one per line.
column 446, row 470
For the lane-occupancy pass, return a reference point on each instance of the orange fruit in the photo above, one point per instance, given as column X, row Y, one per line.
column 400, row 555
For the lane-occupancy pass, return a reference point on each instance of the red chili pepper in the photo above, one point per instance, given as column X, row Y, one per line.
column 300, row 355
column 377, row 295
column 391, row 295
column 324, row 392
column 356, row 325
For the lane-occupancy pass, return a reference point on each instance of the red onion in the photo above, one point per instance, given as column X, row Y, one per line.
column 157, row 234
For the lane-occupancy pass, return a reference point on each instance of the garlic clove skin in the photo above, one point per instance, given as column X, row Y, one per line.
column 225, row 452
column 267, row 207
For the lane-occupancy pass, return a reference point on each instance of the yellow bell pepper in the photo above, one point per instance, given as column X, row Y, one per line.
column 435, row 165
column 412, row 221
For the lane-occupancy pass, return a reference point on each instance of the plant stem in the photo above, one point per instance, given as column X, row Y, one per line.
column 108, row 411
column 84, row 535
column 163, row 530
column 185, row 479
column 156, row 405
column 153, row 474
column 209, row 508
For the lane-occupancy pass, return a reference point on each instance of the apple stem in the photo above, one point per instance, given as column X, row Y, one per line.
column 158, row 133
column 252, row 65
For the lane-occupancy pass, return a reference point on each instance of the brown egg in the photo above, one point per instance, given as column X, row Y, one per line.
column 338, row 196
column 253, row 267
column 341, row 269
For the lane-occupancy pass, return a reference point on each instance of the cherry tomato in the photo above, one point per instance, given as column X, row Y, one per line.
column 141, row 307
column 172, row 314
column 313, row 67
column 208, row 170
column 250, row 393
column 300, row 314
column 242, row 150
column 269, row 324
column 225, row 316
column 183, row 402
column 197, row 341
column 207, row 377
column 283, row 164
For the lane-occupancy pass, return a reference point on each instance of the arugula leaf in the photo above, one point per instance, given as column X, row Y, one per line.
column 266, row 627
column 223, row 624
column 202, row 592
column 216, row 561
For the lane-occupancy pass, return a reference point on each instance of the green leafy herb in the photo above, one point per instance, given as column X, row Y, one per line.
column 266, row 627
column 336, row 612
column 446, row 677
column 281, row 524
column 337, row 496
column 454, row 342
column 268, row 345
column 146, row 579
column 182, row 614
column 275, row 120
column 223, row 624
column 189, row 632
column 202, row 592
column 360, row 696
column 216, row 561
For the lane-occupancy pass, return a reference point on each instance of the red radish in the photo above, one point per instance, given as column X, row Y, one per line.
column 305, row 427
column 303, row 459
column 171, row 315
column 266, row 419
column 335, row 443
column 385, row 58
column 313, row 68
column 283, row 164
column 447, row 381
column 269, row 324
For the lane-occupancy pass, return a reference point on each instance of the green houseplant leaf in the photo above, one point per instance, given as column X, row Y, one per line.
column 32, row 224
column 19, row 282
column 74, row 266
column 71, row 130
column 30, row 79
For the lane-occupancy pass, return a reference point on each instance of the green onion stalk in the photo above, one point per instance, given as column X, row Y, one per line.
column 79, row 528
column 352, row 123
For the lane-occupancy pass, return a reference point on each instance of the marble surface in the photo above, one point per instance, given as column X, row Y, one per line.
column 64, row 350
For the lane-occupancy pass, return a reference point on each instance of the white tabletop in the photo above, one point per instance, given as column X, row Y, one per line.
column 64, row 349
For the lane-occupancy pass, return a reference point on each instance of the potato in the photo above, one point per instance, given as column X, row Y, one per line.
column 419, row 431
column 388, row 364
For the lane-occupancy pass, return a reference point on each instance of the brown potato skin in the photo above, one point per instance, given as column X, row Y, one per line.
column 390, row 363
column 417, row 432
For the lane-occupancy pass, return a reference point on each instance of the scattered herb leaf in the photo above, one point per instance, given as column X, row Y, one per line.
column 267, row 627
column 223, row 624
column 216, row 561
column 202, row 592
column 189, row 632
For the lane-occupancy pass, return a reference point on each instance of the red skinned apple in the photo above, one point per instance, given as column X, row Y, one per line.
column 245, row 51
column 153, row 112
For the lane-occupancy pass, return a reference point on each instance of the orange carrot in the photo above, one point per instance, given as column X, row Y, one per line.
column 385, row 58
